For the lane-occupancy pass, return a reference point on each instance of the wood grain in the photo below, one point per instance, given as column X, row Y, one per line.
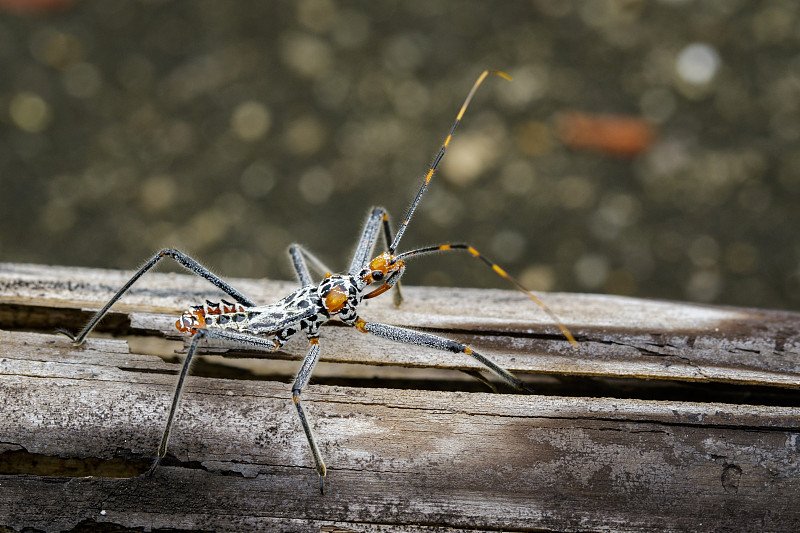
column 79, row 425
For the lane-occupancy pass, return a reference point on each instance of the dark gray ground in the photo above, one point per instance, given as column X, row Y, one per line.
column 231, row 129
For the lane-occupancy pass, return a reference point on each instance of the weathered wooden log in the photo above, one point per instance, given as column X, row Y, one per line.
column 697, row 426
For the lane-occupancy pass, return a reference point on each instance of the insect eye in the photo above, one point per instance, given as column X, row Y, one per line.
column 377, row 275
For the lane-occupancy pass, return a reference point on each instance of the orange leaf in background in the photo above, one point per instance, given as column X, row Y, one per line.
column 616, row 135
column 34, row 7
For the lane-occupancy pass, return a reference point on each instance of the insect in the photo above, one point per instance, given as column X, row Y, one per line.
column 267, row 327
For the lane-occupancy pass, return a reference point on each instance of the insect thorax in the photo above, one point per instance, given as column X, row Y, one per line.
column 340, row 295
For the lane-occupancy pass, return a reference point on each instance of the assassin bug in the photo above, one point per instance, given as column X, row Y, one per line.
column 267, row 327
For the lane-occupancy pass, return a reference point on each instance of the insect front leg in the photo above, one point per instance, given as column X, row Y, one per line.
column 182, row 259
column 420, row 338
column 299, row 256
column 300, row 382
column 378, row 218
column 239, row 339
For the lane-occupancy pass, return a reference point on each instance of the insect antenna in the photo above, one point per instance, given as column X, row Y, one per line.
column 429, row 175
column 502, row 273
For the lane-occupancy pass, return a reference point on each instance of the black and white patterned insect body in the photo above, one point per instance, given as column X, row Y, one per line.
column 307, row 309
column 303, row 311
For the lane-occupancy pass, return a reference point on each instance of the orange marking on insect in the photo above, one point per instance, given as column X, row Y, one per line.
column 445, row 247
column 313, row 340
column 475, row 88
column 467, row 350
column 377, row 292
column 380, row 263
column 500, row 271
column 360, row 325
column 335, row 300
column 191, row 321
column 568, row 335
column 384, row 263
column 181, row 326
column 473, row 251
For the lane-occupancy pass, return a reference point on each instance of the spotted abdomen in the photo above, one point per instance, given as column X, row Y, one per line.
column 199, row 316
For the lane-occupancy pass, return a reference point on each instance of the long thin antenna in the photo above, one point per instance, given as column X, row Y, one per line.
column 502, row 273
column 429, row 175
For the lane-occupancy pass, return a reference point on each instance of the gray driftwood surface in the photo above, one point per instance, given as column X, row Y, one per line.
column 717, row 450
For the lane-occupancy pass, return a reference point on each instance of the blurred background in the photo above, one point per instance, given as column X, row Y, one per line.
column 643, row 148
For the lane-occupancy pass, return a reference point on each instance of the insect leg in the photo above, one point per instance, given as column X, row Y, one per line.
column 500, row 272
column 476, row 374
column 377, row 218
column 241, row 339
column 397, row 295
column 182, row 259
column 420, row 338
column 299, row 256
column 303, row 376
column 366, row 243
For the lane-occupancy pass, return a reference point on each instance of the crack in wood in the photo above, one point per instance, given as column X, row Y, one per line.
column 614, row 443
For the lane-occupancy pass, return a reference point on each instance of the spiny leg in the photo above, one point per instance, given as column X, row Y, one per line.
column 421, row 338
column 300, row 382
column 240, row 339
column 300, row 266
column 182, row 259
column 397, row 294
column 429, row 175
column 499, row 271
column 299, row 256
column 366, row 244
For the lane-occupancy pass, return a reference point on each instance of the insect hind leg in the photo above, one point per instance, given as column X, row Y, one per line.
column 182, row 259
column 300, row 382
column 234, row 338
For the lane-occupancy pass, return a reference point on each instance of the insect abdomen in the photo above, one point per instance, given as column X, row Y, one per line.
column 200, row 316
